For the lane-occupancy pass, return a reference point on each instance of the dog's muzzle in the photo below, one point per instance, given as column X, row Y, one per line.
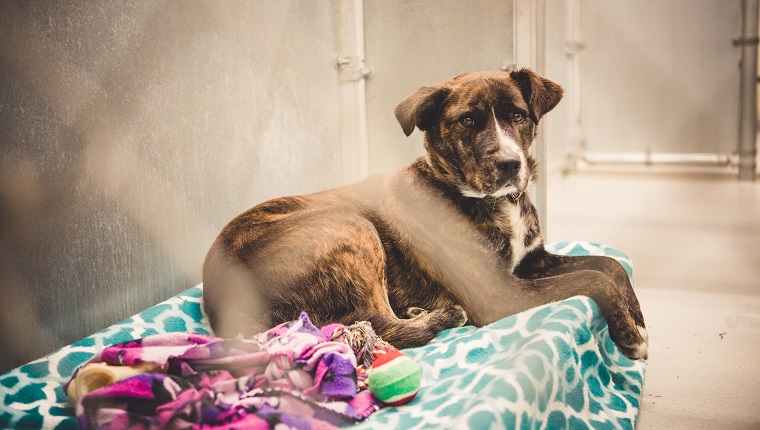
column 508, row 169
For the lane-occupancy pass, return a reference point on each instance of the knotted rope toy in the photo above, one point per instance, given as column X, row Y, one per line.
column 391, row 376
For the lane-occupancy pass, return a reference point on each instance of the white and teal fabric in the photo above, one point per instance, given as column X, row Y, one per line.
column 551, row 367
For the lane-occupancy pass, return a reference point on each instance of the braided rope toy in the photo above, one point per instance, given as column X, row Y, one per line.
column 391, row 376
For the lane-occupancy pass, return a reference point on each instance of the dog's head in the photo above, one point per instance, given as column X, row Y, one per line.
column 479, row 127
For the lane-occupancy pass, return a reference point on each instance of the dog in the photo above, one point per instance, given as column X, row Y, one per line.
column 450, row 239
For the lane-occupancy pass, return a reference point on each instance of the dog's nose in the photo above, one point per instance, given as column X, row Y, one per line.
column 508, row 167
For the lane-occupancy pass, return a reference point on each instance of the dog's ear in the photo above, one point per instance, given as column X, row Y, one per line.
column 421, row 108
column 540, row 93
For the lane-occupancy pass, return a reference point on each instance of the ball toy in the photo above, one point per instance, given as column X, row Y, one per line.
column 394, row 377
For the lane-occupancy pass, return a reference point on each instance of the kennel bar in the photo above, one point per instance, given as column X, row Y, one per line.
column 652, row 158
column 748, row 91
column 352, row 75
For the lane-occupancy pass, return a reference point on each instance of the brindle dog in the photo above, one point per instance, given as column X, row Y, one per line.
column 452, row 237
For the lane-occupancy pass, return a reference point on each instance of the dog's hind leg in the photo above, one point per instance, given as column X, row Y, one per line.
column 421, row 326
column 360, row 268
column 417, row 330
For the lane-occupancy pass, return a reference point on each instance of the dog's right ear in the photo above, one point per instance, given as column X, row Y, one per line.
column 541, row 94
column 421, row 109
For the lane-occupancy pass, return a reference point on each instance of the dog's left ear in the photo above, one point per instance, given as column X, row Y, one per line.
column 421, row 108
column 540, row 93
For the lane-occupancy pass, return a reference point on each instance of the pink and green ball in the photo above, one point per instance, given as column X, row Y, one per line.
column 394, row 378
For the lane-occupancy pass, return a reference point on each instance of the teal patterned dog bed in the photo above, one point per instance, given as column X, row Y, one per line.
column 550, row 367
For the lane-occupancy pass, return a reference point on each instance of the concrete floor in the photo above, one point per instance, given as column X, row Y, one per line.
column 695, row 245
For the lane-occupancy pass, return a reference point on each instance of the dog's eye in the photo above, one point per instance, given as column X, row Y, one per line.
column 517, row 117
column 467, row 121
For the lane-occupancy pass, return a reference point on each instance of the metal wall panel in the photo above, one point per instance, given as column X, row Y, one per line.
column 131, row 132
column 660, row 75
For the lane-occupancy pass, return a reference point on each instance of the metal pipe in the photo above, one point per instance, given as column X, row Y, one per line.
column 352, row 76
column 748, row 91
column 573, row 47
column 652, row 158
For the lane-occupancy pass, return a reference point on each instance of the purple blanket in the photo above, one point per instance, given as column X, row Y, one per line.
column 292, row 374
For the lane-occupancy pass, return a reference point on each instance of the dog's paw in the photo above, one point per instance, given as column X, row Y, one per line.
column 644, row 334
column 457, row 315
column 642, row 350
column 639, row 349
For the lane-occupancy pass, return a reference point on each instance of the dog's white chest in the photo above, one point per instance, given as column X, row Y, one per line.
column 519, row 229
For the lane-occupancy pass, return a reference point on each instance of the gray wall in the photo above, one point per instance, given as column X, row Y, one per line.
column 131, row 132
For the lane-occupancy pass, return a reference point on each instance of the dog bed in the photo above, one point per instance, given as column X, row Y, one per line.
column 549, row 367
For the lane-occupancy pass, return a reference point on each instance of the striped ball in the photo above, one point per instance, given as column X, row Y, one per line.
column 394, row 378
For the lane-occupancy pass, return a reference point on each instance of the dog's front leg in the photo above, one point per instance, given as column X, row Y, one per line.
column 630, row 338
column 540, row 264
